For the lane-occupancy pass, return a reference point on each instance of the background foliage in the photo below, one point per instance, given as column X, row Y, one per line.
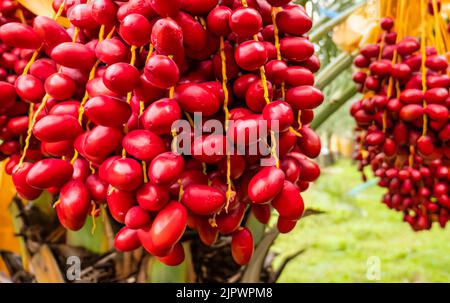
column 357, row 226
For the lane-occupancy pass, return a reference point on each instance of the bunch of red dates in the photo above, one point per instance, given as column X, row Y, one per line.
column 403, row 124
column 175, row 114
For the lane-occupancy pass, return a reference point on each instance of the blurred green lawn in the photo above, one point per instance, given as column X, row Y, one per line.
column 356, row 227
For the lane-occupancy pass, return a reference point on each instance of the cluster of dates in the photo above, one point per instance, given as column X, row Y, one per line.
column 12, row 62
column 106, row 92
column 403, row 124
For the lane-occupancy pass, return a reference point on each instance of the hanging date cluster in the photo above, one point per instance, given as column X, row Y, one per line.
column 90, row 110
column 403, row 122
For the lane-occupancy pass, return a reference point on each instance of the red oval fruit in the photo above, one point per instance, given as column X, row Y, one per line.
column 203, row 199
column 125, row 174
column 242, row 84
column 7, row 94
column 143, row 144
column 293, row 20
column 166, row 230
column 18, row 125
column 229, row 222
column 166, row 8
column 437, row 112
column 411, row 112
column 309, row 170
column 245, row 21
column 74, row 206
column 309, row 143
column 104, row 11
column 107, row 111
column 209, row 149
column 242, row 246
column 119, row 202
column 436, row 63
column 208, row 234
column 54, row 128
column 19, row 35
column 251, row 55
column 175, row 257
column 188, row 177
column 127, row 239
column 152, row 197
column 425, row 145
column 304, row 97
column 262, row 212
column 136, row 30
column 408, row 46
column 285, row 226
column 97, row 188
column 381, row 68
column 375, row 138
column 299, row 76
column 60, row 86
column 217, row 20
column 142, row 7
column 237, row 166
column 276, row 71
column 291, row 169
column 246, row 131
column 96, row 87
column 100, row 141
column 49, row 173
column 296, row 48
column 166, row 168
column 278, row 2
column 198, row 7
column 58, row 149
column 281, row 112
column 411, row 96
column 167, row 38
column 74, row 55
column 137, row 218
column 436, row 95
column 148, row 92
column 29, row 88
column 289, row 202
column 24, row 190
column 159, row 116
column 111, row 51
column 195, row 37
column 265, row 185
column 81, row 16
column 50, row 32
column 161, row 71
column 121, row 78
column 196, row 98
column 401, row 71
column 80, row 170
column 255, row 97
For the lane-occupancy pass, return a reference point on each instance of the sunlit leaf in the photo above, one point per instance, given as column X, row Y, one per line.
column 8, row 241
column 359, row 25
column 43, row 8
column 45, row 267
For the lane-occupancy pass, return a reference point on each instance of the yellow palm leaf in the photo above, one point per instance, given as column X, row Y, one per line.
column 361, row 25
column 7, row 192
column 8, row 241
column 43, row 8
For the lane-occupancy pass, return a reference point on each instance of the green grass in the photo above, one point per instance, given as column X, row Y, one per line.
column 354, row 228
